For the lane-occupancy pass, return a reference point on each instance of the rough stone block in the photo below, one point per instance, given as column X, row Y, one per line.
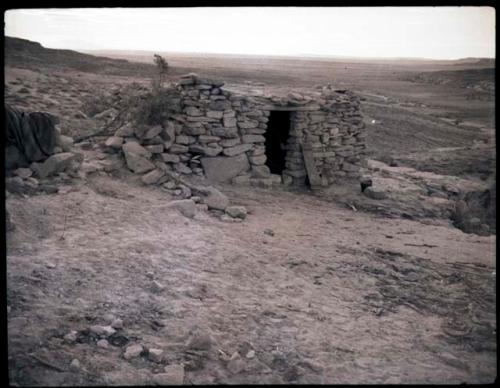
column 230, row 142
column 152, row 176
column 170, row 158
column 178, row 149
column 205, row 150
column 261, row 171
column 125, row 131
column 253, row 139
column 155, row 148
column 258, row 160
column 222, row 169
column 229, row 122
column 238, row 149
column 214, row 114
column 152, row 132
column 208, row 139
column 187, row 207
column 248, row 124
column 57, row 163
column 193, row 111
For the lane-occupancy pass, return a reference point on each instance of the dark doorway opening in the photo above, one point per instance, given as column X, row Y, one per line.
column 278, row 128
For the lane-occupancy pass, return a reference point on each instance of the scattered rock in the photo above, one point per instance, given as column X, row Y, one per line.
column 65, row 142
column 214, row 199
column 114, row 142
column 261, row 172
column 75, row 365
column 48, row 188
column 102, row 331
column 199, row 340
column 16, row 185
column 10, row 226
column 125, row 131
column 108, row 318
column 250, row 354
column 157, row 287
column 186, row 191
column 117, row 324
column 155, row 355
column 186, row 207
column 57, row 163
column 23, row 172
column 374, row 193
column 133, row 351
column 174, row 375
column 137, row 158
column 152, row 132
column 103, row 344
column 71, row 336
column 236, row 211
column 202, row 207
column 152, row 176
column 269, row 232
column 236, row 364
column 226, row 218
column 241, row 180
column 170, row 185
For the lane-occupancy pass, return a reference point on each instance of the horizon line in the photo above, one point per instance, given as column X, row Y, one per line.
column 298, row 55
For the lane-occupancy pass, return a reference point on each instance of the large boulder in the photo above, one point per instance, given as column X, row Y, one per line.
column 222, row 169
column 187, row 207
column 137, row 158
column 152, row 177
column 214, row 199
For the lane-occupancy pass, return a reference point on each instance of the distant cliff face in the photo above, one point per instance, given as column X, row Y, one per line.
column 32, row 55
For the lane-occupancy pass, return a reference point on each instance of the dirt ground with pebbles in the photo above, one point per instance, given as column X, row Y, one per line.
column 335, row 288
column 306, row 290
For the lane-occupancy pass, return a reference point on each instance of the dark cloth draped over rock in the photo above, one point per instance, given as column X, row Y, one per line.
column 30, row 137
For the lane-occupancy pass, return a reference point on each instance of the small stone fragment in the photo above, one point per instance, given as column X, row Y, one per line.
column 117, row 324
column 374, row 193
column 155, row 355
column 157, row 287
column 269, row 232
column 23, row 172
column 75, row 365
column 71, row 336
column 235, row 364
column 174, row 375
column 102, row 331
column 103, row 344
column 199, row 340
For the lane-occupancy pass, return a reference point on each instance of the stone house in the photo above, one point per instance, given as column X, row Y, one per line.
column 296, row 139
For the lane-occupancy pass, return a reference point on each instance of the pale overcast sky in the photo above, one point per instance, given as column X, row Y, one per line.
column 427, row 32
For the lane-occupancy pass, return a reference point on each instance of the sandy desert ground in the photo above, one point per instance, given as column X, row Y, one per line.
column 329, row 287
